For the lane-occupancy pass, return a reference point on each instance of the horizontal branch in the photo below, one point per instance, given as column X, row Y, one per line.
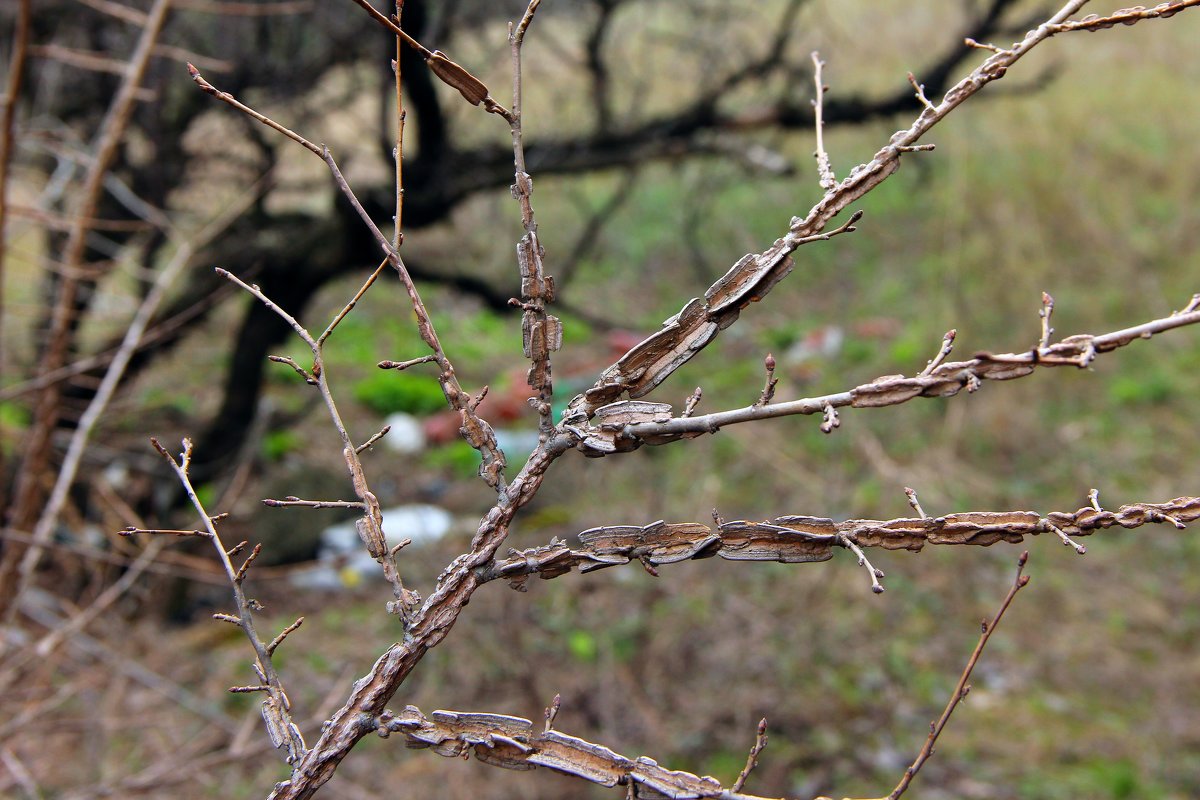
column 628, row 424
column 514, row 743
column 801, row 539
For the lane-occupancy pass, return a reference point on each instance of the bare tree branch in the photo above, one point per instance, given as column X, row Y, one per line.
column 804, row 539
column 628, row 424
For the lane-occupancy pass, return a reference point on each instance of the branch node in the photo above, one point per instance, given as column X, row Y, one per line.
column 768, row 391
column 830, row 419
column 916, row 504
column 919, row 88
column 552, row 712
column 1066, row 540
column 947, row 346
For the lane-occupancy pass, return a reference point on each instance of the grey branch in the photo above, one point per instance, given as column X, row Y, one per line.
column 628, row 424
column 513, row 743
column 803, row 539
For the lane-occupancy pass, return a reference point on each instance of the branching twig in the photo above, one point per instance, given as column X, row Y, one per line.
column 944, row 380
column 751, row 278
column 276, row 708
column 541, row 333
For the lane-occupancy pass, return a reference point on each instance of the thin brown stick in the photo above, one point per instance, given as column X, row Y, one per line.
column 398, row 153
column 760, row 741
column 541, row 332
column 276, row 710
column 961, row 689
column 226, row 97
column 28, row 496
column 357, row 296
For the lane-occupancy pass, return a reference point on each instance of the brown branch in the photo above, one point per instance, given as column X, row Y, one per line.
column 510, row 742
column 276, row 709
column 296, row 501
column 8, row 130
column 962, row 688
column 751, row 278
column 1126, row 16
column 541, row 333
column 629, row 424
column 760, row 742
column 27, row 507
column 454, row 75
column 427, row 627
column 805, row 539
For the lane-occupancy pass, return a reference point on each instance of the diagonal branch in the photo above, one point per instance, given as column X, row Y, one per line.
column 750, row 279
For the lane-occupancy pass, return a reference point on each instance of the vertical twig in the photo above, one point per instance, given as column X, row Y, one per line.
column 398, row 153
column 541, row 333
column 825, row 176
column 277, row 709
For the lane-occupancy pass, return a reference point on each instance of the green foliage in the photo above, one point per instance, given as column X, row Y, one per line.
column 13, row 419
column 582, row 645
column 1143, row 387
column 277, row 444
column 386, row 392
column 458, row 457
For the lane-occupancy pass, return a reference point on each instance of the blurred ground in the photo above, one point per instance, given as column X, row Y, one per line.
column 1081, row 184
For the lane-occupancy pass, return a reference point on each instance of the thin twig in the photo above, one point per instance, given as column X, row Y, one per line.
column 276, row 713
column 947, row 347
column 296, row 501
column 827, row 180
column 768, row 392
column 1044, row 313
column 248, row 111
column 847, row 541
column 914, row 502
column 760, row 741
column 961, row 689
column 946, row 380
column 354, row 300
